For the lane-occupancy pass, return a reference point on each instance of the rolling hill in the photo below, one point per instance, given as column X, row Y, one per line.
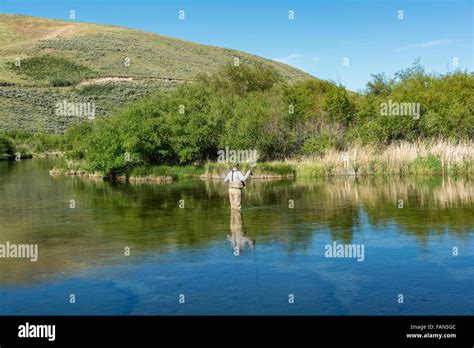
column 44, row 62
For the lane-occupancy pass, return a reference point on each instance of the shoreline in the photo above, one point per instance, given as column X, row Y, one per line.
column 159, row 178
column 294, row 170
column 397, row 160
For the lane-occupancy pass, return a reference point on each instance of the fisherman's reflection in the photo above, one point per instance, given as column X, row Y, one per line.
column 237, row 235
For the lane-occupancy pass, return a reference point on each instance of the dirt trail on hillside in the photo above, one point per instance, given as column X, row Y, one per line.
column 103, row 80
column 60, row 31
column 68, row 29
column 122, row 79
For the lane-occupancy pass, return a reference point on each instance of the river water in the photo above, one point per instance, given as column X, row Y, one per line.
column 150, row 249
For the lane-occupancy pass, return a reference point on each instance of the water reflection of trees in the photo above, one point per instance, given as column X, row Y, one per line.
column 419, row 207
column 148, row 217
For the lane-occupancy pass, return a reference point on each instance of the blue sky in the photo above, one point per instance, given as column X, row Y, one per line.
column 317, row 40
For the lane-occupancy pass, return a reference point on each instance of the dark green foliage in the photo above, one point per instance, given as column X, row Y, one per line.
column 379, row 86
column 446, row 102
column 107, row 154
column 61, row 83
column 243, row 79
column 76, row 139
column 53, row 71
column 43, row 142
column 176, row 172
column 338, row 106
column 96, row 90
column 427, row 165
column 251, row 108
column 6, row 145
column 27, row 142
column 318, row 144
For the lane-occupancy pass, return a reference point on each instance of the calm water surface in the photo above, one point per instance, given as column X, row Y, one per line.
column 407, row 250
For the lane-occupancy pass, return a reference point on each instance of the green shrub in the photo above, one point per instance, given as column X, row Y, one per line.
column 428, row 165
column 6, row 145
column 96, row 90
column 176, row 172
column 339, row 107
column 53, row 71
column 250, row 108
column 61, row 83
column 76, row 138
column 26, row 141
column 318, row 144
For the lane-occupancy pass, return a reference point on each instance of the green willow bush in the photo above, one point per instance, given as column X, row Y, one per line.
column 28, row 142
column 6, row 146
column 251, row 107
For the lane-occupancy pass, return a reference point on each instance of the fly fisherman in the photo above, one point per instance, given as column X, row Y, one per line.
column 236, row 184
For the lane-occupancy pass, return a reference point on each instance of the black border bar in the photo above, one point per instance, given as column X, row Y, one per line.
column 223, row 330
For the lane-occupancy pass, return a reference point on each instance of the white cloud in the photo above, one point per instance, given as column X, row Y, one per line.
column 427, row 44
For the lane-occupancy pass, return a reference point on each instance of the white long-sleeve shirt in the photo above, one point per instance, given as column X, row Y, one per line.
column 236, row 176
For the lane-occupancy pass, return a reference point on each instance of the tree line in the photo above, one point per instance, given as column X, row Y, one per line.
column 252, row 107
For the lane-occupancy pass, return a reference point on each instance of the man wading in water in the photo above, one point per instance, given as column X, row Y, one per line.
column 236, row 184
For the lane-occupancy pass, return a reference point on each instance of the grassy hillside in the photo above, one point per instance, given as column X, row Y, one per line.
column 86, row 62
